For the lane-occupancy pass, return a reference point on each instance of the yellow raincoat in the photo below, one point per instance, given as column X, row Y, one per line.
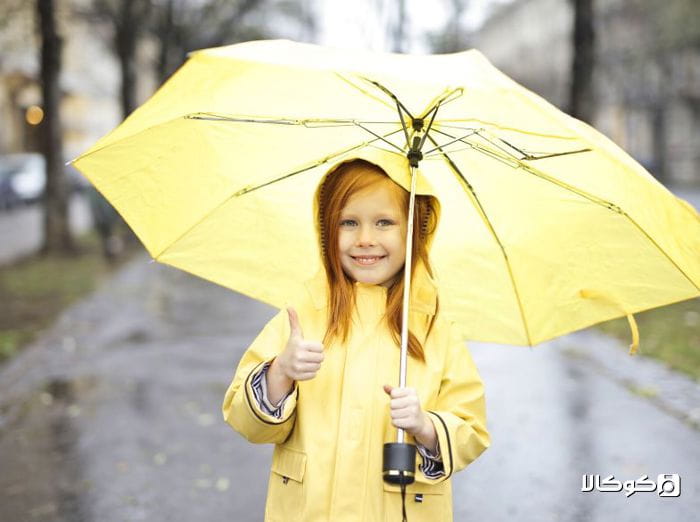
column 327, row 462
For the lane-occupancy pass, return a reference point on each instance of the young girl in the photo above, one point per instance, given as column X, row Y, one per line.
column 315, row 382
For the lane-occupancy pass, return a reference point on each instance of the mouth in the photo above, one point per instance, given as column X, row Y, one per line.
column 367, row 260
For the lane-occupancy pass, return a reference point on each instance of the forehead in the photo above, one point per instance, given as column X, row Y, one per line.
column 378, row 197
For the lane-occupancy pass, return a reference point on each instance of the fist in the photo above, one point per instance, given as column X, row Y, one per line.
column 300, row 359
column 405, row 409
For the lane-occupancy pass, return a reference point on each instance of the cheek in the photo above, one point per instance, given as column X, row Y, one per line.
column 344, row 241
column 399, row 244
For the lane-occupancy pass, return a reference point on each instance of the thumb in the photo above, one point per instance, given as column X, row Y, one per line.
column 294, row 326
column 387, row 389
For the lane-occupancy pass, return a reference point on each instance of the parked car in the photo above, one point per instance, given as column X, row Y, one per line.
column 22, row 179
column 76, row 181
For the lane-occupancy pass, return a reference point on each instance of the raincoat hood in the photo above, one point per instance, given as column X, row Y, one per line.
column 424, row 288
column 395, row 165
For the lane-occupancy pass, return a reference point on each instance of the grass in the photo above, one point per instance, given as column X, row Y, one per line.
column 670, row 333
column 35, row 290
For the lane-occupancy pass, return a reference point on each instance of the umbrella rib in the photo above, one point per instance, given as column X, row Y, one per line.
column 365, row 92
column 247, row 190
column 320, row 162
column 444, row 99
column 391, row 95
column 590, row 197
column 245, row 119
column 613, row 207
column 461, row 139
column 382, row 138
column 514, row 160
column 525, row 155
column 443, row 123
column 530, row 156
column 339, row 122
column 484, row 217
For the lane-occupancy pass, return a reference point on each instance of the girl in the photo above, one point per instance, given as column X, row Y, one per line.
column 315, row 380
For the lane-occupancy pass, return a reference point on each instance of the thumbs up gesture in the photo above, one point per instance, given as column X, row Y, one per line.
column 300, row 359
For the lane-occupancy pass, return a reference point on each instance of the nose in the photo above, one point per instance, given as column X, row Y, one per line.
column 365, row 237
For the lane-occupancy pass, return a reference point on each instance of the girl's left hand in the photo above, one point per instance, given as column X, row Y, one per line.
column 406, row 412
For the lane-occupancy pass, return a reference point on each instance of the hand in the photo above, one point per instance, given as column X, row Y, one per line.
column 300, row 359
column 406, row 412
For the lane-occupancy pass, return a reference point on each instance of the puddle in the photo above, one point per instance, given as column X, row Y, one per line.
column 40, row 459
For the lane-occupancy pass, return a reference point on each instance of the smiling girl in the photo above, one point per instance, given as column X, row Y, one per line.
column 315, row 382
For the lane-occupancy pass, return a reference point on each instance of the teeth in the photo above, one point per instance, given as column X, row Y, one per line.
column 367, row 260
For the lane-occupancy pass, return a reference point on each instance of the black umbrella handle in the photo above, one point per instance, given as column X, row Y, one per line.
column 399, row 466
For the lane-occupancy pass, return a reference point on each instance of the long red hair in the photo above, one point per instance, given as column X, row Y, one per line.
column 345, row 180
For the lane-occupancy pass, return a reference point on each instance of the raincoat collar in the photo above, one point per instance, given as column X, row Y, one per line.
column 423, row 290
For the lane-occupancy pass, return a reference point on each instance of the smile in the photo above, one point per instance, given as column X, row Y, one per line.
column 367, row 260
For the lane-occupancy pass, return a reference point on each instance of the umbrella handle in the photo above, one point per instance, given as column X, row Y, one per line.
column 399, row 466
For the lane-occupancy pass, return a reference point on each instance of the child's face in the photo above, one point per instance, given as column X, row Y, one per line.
column 372, row 224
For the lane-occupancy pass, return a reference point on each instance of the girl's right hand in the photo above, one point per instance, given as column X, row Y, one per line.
column 300, row 359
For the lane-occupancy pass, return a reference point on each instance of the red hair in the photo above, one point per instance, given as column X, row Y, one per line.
column 345, row 180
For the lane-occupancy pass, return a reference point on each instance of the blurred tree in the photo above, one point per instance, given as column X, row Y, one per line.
column 651, row 65
column 581, row 101
column 57, row 234
column 128, row 19
column 400, row 27
column 180, row 27
column 674, row 28
column 453, row 36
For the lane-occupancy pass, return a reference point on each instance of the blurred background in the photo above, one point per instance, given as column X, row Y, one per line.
column 76, row 301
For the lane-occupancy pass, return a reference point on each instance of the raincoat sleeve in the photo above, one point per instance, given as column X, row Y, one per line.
column 459, row 415
column 432, row 463
column 241, row 407
column 260, row 389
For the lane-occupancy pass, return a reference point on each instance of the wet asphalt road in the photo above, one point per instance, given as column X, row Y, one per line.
column 114, row 415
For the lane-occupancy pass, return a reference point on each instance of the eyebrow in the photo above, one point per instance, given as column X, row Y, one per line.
column 383, row 215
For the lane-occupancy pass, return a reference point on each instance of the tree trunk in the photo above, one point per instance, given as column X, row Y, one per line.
column 659, row 144
column 400, row 29
column 57, row 235
column 581, row 102
column 126, row 51
column 165, row 31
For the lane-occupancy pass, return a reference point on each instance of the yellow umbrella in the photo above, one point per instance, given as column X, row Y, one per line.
column 547, row 226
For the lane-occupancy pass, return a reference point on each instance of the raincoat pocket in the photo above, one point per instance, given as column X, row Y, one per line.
column 285, row 495
column 423, row 502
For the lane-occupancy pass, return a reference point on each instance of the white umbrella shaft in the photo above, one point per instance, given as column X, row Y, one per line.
column 406, row 291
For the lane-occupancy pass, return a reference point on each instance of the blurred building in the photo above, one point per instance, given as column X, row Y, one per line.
column 90, row 76
column 89, row 81
column 647, row 73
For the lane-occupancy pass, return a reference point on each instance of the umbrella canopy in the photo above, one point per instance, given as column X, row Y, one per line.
column 546, row 225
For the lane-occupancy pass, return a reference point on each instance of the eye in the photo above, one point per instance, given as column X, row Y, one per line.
column 347, row 222
column 387, row 222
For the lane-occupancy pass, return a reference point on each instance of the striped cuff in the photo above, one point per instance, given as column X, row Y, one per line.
column 432, row 466
column 259, row 385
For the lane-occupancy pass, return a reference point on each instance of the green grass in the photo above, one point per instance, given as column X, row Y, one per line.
column 670, row 334
column 34, row 290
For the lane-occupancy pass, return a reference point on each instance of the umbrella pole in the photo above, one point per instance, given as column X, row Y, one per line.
column 407, row 291
column 399, row 465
